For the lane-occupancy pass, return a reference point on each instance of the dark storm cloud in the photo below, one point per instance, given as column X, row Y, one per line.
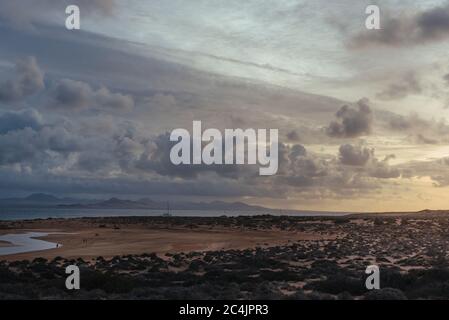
column 433, row 24
column 298, row 168
column 437, row 170
column 18, row 147
column 418, row 129
column 121, row 162
column 409, row 84
column 354, row 171
column 30, row 147
column 158, row 160
column 382, row 170
column 61, row 156
column 126, row 159
column 422, row 27
column 359, row 156
column 11, row 121
column 351, row 122
column 297, row 151
column 96, row 161
column 123, row 186
column 293, row 135
column 58, row 139
column 355, row 155
column 27, row 139
column 27, row 80
column 70, row 94
column 402, row 123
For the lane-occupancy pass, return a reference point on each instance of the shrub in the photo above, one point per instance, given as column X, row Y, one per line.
column 385, row 294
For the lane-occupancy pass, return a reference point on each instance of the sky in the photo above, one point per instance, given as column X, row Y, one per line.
column 362, row 114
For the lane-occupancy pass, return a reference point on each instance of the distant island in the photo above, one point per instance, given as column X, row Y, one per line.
column 115, row 203
column 47, row 201
column 41, row 200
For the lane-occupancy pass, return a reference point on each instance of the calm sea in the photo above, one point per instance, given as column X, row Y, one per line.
column 44, row 213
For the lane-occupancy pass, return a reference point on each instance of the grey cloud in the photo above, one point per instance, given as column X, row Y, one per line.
column 421, row 139
column 106, row 7
column 157, row 158
column 59, row 139
column 446, row 78
column 120, row 162
column 293, row 135
column 445, row 161
column 127, row 159
column 351, row 122
column 402, row 30
column 134, row 163
column 363, row 157
column 60, row 184
column 419, row 130
column 114, row 149
column 409, row 84
column 298, row 151
column 96, row 161
column 28, row 80
column 107, row 99
column 382, row 170
column 355, row 155
column 71, row 94
column 298, row 168
column 437, row 170
column 11, row 121
column 26, row 139
column 26, row 14
column 316, row 176
column 18, row 146
column 30, row 147
column 433, row 24
column 401, row 123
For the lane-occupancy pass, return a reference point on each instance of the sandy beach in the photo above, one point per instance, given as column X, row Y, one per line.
column 81, row 238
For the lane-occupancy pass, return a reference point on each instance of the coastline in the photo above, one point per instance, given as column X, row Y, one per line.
column 88, row 238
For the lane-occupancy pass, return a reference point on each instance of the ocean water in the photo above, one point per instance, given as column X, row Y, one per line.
column 45, row 213
column 25, row 242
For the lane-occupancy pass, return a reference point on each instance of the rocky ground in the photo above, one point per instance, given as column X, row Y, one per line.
column 410, row 250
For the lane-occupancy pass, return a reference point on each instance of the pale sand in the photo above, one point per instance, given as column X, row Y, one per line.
column 88, row 242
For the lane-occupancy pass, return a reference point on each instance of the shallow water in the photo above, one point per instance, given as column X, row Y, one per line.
column 25, row 242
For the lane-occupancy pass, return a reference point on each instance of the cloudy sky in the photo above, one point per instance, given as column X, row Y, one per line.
column 362, row 114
